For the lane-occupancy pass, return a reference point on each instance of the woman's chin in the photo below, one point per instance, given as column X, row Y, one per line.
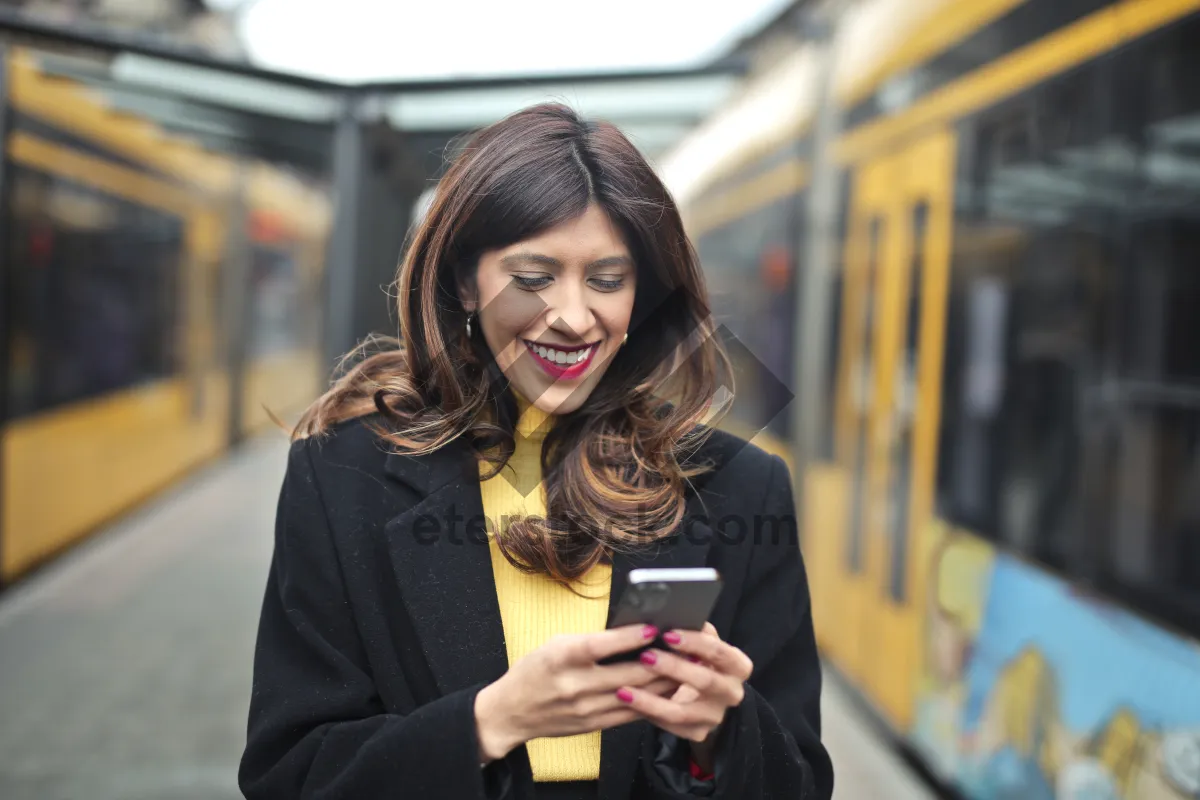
column 549, row 394
column 557, row 399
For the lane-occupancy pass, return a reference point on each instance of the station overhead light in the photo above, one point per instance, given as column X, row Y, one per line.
column 367, row 41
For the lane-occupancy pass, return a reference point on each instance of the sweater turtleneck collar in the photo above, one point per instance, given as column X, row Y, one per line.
column 532, row 422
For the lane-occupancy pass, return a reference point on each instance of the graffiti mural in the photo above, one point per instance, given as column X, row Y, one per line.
column 1032, row 691
column 960, row 574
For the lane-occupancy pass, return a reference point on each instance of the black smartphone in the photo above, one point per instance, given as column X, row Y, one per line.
column 678, row 598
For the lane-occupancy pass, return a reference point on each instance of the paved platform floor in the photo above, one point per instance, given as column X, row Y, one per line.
column 125, row 666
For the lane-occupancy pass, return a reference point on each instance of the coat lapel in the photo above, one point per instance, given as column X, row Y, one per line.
column 439, row 553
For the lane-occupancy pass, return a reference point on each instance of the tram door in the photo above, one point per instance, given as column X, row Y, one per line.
column 889, row 418
column 866, row 239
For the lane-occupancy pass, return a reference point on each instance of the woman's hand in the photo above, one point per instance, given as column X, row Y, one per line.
column 711, row 676
column 560, row 690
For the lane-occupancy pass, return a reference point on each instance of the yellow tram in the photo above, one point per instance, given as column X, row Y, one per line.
column 1000, row 527
column 119, row 277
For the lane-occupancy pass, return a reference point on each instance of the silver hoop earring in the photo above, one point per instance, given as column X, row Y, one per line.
column 469, row 316
column 626, row 339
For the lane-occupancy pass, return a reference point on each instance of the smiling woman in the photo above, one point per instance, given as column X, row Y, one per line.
column 534, row 435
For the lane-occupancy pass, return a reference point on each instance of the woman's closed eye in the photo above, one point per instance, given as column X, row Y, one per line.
column 532, row 282
column 608, row 283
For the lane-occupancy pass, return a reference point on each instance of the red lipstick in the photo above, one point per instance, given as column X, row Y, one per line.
column 566, row 370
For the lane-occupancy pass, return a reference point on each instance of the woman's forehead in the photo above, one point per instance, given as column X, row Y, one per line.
column 589, row 237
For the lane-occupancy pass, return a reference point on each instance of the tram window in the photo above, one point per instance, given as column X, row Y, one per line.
column 276, row 301
column 833, row 330
column 1033, row 246
column 94, row 294
column 907, row 405
column 862, row 378
column 750, row 265
column 1071, row 408
column 833, row 333
column 1153, row 549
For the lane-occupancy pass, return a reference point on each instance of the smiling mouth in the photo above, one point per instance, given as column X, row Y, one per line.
column 563, row 362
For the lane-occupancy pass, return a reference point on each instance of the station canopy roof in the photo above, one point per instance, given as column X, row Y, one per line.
column 232, row 106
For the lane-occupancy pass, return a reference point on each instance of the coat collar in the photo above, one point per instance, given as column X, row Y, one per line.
column 440, row 555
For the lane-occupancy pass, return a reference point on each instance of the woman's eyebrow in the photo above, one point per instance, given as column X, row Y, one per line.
column 517, row 259
column 612, row 261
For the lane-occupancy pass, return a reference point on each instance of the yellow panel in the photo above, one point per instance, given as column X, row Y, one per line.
column 942, row 28
column 1076, row 44
column 924, row 173
column 1073, row 45
column 824, row 517
column 285, row 384
column 893, row 274
column 96, row 173
column 821, row 521
column 737, row 201
column 852, row 588
column 307, row 212
column 65, row 104
column 206, row 236
column 70, row 470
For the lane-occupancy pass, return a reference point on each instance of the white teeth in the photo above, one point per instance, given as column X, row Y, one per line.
column 559, row 356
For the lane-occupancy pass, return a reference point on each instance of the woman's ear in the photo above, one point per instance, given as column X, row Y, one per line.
column 468, row 292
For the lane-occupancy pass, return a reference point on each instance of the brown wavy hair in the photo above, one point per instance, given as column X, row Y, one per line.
column 615, row 470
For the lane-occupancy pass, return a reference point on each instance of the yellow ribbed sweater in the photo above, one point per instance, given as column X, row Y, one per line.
column 533, row 608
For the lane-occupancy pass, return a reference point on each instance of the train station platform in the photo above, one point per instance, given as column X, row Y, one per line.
column 125, row 666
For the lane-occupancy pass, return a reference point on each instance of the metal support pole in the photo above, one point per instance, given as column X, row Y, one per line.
column 343, row 267
column 819, row 246
column 236, row 305
column 5, row 279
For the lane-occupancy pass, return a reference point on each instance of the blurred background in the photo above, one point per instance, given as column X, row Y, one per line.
column 952, row 246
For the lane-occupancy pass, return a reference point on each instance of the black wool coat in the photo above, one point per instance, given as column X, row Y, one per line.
column 380, row 624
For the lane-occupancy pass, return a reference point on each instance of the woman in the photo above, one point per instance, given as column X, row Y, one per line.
column 432, row 621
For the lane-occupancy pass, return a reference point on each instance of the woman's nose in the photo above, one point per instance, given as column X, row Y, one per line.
column 571, row 315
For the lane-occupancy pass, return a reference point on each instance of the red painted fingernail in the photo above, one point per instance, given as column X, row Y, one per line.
column 648, row 657
column 625, row 696
column 673, row 638
column 649, row 632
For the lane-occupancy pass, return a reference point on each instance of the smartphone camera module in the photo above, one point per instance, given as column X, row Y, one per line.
column 654, row 597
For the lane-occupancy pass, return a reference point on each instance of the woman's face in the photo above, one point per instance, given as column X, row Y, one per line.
column 555, row 308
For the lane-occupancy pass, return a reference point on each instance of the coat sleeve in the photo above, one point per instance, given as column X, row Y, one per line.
column 770, row 745
column 317, row 727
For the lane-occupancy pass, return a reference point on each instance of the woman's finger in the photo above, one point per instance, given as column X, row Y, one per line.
column 692, row 721
column 595, row 703
column 577, row 682
column 618, row 716
column 709, row 648
column 686, row 694
column 592, row 647
column 709, row 683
